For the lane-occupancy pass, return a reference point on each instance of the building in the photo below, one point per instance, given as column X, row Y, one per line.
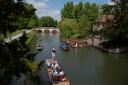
column 100, row 22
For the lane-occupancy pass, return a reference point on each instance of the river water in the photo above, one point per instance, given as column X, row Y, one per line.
column 85, row 66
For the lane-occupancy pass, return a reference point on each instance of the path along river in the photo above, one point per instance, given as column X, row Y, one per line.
column 85, row 66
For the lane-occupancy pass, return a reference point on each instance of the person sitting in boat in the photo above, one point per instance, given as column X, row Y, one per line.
column 53, row 65
column 49, row 64
column 56, row 65
column 58, row 68
column 55, row 72
column 61, row 73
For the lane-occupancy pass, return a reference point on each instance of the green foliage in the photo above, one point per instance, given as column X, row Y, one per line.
column 47, row 21
column 116, row 30
column 69, row 28
column 80, row 14
column 23, row 38
column 91, row 10
column 31, row 66
column 32, row 22
column 14, row 14
column 1, row 37
column 106, row 9
column 77, row 10
column 14, row 60
column 30, row 36
column 84, row 26
column 67, row 11
column 31, row 19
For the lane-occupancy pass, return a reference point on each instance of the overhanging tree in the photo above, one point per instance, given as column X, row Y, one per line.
column 13, row 56
column 116, row 30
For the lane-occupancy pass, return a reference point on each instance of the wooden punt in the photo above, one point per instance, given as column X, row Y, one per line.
column 55, row 80
column 39, row 47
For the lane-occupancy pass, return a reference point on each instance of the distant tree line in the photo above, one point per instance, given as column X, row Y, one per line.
column 47, row 21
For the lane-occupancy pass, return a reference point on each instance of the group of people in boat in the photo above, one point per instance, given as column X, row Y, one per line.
column 57, row 72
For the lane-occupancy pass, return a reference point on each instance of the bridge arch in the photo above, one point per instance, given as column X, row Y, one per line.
column 54, row 31
column 39, row 31
column 46, row 31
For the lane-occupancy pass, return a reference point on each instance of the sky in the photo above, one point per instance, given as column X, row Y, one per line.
column 53, row 7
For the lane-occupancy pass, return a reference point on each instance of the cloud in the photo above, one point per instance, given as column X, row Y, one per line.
column 110, row 3
column 30, row 1
column 39, row 5
column 42, row 9
column 49, row 12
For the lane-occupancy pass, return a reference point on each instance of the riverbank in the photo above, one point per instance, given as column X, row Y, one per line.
column 11, row 38
column 95, row 42
column 31, row 41
column 77, row 43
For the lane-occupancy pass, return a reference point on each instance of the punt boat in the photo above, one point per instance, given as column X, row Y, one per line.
column 56, row 80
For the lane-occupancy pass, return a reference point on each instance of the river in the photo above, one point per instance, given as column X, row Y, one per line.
column 85, row 66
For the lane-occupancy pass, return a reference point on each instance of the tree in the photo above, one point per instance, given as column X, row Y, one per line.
column 84, row 26
column 11, row 13
column 47, row 21
column 55, row 23
column 78, row 10
column 32, row 21
column 91, row 10
column 67, row 11
column 116, row 30
column 14, row 61
column 13, row 54
column 106, row 9
column 82, row 14
column 68, row 28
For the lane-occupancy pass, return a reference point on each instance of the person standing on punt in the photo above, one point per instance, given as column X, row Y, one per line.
column 53, row 53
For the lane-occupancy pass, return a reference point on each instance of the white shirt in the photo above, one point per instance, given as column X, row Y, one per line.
column 53, row 55
column 61, row 73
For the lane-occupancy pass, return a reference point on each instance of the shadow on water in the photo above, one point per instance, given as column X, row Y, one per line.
column 84, row 66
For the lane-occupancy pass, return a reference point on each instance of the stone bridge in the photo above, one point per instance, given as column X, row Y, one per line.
column 47, row 29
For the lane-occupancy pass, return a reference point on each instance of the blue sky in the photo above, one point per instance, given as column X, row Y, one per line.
column 52, row 7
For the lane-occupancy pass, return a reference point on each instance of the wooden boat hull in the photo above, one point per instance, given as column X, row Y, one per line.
column 55, row 80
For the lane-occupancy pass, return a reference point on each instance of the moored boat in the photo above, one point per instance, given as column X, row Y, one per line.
column 39, row 46
column 64, row 46
column 59, row 78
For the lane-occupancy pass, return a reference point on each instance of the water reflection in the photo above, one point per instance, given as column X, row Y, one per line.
column 85, row 66
column 88, row 66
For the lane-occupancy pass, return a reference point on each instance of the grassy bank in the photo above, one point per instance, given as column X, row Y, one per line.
column 11, row 34
column 17, row 32
column 31, row 41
